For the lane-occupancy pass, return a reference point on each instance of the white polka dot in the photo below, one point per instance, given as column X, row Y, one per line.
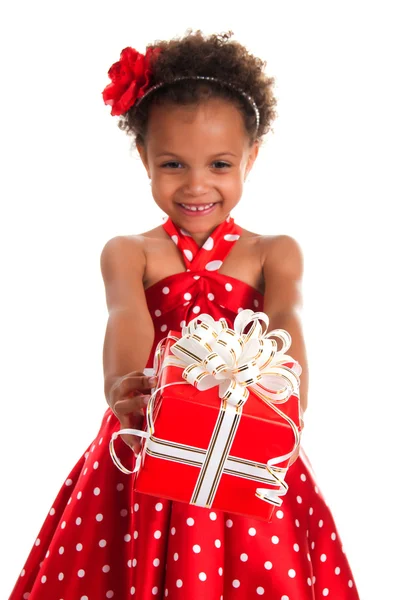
column 297, row 523
column 52, row 511
column 279, row 514
column 120, row 487
column 228, row 287
column 350, row 583
column 256, row 302
column 209, row 244
column 231, row 237
column 26, row 595
column 311, row 511
column 163, row 328
column 190, row 521
column 196, row 548
column 252, row 531
column 81, row 573
column 285, row 597
column 166, row 592
column 84, row 598
column 323, row 557
column 156, row 562
column 157, row 534
column 68, row 482
column 196, row 309
column 158, row 313
column 337, row 570
column 61, row 576
column 63, row 524
column 37, row 542
column 175, row 556
column 95, row 465
column 291, row 573
column 296, row 547
column 240, row 310
column 187, row 296
column 217, row 543
column 320, row 523
column 61, row 550
column 182, row 324
column 79, row 495
column 109, row 594
column 303, row 477
column 196, row 277
column 85, row 470
column 188, row 254
column 158, row 506
column 100, row 442
column 229, row 523
column 106, row 568
column 275, row 539
column 210, row 296
column 312, row 545
column 268, row 565
column 202, row 576
column 79, row 547
column 127, row 537
column 309, row 581
column 325, row 592
column 22, row 572
column 213, row 265
column 132, row 591
column 308, row 556
column 102, row 543
column 175, row 239
column 136, row 507
column 236, row 583
column 99, row 517
column 129, row 563
column 299, row 499
column 70, row 499
column 124, row 512
column 220, row 571
column 333, row 536
column 134, row 563
column 307, row 533
column 316, row 489
column 96, row 491
column 135, row 534
column 173, row 531
column 244, row 557
column 44, row 579
column 260, row 591
column 213, row 516
column 179, row 583
column 166, row 290
column 154, row 590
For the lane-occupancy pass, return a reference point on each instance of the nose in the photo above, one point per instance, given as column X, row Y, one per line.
column 196, row 183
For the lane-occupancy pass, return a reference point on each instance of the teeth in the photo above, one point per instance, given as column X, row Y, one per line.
column 200, row 208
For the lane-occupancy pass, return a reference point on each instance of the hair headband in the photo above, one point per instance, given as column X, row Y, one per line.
column 131, row 78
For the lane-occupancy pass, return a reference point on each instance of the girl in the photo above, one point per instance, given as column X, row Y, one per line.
column 198, row 108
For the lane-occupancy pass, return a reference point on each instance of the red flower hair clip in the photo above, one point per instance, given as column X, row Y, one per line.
column 130, row 77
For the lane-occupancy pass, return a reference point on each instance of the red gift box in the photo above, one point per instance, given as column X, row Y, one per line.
column 202, row 452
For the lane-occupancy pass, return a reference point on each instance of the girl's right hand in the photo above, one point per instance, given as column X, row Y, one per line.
column 128, row 399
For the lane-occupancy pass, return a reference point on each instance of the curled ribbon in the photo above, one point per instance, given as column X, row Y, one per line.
column 212, row 354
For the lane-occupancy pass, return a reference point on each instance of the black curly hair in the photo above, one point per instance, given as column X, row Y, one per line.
column 212, row 56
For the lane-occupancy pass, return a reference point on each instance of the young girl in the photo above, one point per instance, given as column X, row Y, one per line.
column 198, row 108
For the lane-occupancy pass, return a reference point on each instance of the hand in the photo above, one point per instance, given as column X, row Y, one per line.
column 128, row 398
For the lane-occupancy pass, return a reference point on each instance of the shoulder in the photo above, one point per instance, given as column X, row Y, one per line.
column 284, row 254
column 121, row 253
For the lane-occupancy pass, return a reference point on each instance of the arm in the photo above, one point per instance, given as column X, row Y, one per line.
column 130, row 332
column 283, row 272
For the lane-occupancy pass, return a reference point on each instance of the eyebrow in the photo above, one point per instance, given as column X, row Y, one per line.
column 214, row 155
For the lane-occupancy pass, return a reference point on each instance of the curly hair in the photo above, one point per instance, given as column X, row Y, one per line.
column 212, row 56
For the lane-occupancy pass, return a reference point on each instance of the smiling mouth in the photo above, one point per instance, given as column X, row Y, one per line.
column 197, row 207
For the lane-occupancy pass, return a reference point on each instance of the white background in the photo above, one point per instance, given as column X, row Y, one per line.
column 326, row 176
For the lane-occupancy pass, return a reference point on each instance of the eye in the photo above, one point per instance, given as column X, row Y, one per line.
column 220, row 164
column 172, row 164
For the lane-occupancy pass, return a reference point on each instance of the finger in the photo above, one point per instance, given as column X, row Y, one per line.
column 132, row 422
column 136, row 383
column 131, row 406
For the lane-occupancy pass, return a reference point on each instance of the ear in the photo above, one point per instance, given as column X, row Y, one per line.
column 144, row 158
column 253, row 153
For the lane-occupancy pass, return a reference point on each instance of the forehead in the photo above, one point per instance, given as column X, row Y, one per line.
column 213, row 124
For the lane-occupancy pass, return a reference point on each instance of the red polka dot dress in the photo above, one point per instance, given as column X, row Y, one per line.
column 103, row 540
